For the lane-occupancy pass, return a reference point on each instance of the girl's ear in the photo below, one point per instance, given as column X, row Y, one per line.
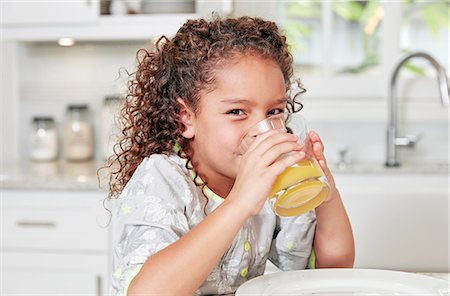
column 187, row 118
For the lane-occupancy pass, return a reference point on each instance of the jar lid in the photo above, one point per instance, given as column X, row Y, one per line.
column 112, row 98
column 77, row 107
column 43, row 118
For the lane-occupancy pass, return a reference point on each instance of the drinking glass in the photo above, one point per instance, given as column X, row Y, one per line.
column 301, row 187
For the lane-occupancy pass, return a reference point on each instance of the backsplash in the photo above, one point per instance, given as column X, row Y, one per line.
column 367, row 142
column 54, row 77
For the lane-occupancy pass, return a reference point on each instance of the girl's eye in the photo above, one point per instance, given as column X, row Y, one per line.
column 236, row 112
column 276, row 111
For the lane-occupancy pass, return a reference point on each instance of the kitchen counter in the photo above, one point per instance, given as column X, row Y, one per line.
column 368, row 168
column 56, row 175
column 60, row 175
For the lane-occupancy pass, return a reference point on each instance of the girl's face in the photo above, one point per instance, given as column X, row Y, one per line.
column 246, row 91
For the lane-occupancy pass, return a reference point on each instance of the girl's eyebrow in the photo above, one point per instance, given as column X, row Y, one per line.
column 236, row 101
column 248, row 102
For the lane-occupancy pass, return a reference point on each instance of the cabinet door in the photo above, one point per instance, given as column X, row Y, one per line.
column 399, row 222
column 54, row 220
column 27, row 273
column 17, row 12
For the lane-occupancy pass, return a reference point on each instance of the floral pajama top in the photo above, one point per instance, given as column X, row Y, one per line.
column 161, row 203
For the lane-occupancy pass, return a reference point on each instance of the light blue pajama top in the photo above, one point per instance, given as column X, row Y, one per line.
column 161, row 203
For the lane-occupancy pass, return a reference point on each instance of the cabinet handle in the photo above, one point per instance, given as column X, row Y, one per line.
column 99, row 285
column 44, row 224
column 88, row 2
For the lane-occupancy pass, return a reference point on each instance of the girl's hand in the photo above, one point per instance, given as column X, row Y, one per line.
column 333, row 240
column 260, row 166
column 318, row 148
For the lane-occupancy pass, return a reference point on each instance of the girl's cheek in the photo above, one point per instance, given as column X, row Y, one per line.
column 233, row 136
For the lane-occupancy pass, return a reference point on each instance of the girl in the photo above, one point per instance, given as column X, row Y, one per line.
column 192, row 215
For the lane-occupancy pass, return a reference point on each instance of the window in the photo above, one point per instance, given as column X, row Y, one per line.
column 425, row 28
column 353, row 46
column 304, row 31
column 356, row 36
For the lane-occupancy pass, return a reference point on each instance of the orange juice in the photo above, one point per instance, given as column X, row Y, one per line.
column 299, row 189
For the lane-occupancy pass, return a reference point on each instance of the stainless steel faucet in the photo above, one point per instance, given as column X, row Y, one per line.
column 392, row 140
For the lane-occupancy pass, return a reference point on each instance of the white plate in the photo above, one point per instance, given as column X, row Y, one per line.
column 344, row 282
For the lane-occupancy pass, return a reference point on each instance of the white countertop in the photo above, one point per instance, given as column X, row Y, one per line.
column 371, row 168
column 61, row 175
column 57, row 175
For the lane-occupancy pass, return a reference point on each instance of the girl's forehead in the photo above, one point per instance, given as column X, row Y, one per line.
column 250, row 71
column 244, row 64
column 246, row 80
column 243, row 76
column 234, row 65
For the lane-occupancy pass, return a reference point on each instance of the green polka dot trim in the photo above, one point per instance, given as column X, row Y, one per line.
column 244, row 272
column 312, row 260
column 208, row 192
column 131, row 276
column 176, row 148
column 246, row 246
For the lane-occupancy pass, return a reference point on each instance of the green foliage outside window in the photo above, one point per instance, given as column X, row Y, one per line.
column 297, row 31
column 368, row 15
column 435, row 16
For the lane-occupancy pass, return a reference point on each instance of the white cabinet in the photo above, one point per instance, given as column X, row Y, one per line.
column 38, row 273
column 30, row 21
column 54, row 243
column 16, row 12
column 399, row 222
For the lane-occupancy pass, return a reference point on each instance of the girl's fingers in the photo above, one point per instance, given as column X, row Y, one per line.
column 318, row 147
column 255, row 144
column 279, row 166
column 314, row 136
column 316, row 139
column 307, row 146
column 318, row 151
column 281, row 151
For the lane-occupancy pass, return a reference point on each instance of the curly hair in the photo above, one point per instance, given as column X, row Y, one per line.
column 181, row 67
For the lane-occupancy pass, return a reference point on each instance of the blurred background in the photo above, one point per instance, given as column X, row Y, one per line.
column 63, row 77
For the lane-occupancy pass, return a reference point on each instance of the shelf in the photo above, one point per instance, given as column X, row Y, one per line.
column 106, row 28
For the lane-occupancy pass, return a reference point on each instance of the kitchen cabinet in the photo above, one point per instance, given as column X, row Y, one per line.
column 23, row 13
column 36, row 273
column 18, row 34
column 399, row 221
column 54, row 243
column 81, row 20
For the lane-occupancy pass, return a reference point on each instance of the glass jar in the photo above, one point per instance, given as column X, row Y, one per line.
column 78, row 132
column 109, row 125
column 174, row 6
column 43, row 139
